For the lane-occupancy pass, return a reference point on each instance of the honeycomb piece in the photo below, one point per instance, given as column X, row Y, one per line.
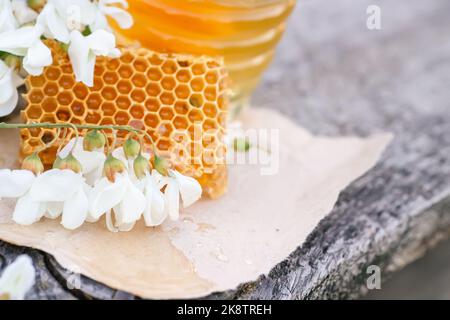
column 180, row 101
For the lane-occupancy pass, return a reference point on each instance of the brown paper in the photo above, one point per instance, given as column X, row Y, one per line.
column 217, row 244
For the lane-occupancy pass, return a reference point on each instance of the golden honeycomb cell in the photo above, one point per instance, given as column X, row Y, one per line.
column 183, row 75
column 38, row 82
column 49, row 105
column 52, row 73
column 139, row 80
column 180, row 101
column 197, row 84
column 110, row 77
column 137, row 112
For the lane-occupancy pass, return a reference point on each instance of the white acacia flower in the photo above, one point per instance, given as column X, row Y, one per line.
column 176, row 185
column 154, row 213
column 110, row 8
column 26, row 42
column 55, row 27
column 7, row 19
column 17, row 184
column 23, row 13
column 121, row 196
column 17, row 279
column 84, row 50
column 120, row 154
column 150, row 185
column 65, row 192
column 9, row 81
column 91, row 161
column 53, row 192
column 66, row 20
column 60, row 17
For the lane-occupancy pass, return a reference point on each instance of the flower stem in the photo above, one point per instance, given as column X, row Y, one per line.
column 48, row 125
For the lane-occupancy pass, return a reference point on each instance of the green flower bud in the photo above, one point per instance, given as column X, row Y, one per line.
column 13, row 61
column 111, row 167
column 87, row 31
column 94, row 140
column 36, row 5
column 57, row 162
column 241, row 144
column 141, row 167
column 64, row 46
column 69, row 163
column 131, row 148
column 161, row 165
column 33, row 163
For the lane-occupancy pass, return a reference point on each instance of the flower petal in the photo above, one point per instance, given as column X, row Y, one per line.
column 120, row 154
column 132, row 205
column 172, row 200
column 8, row 106
column 190, row 189
column 14, row 184
column 54, row 209
column 102, row 43
column 118, row 225
column 7, row 84
column 157, row 177
column 126, row 227
column 88, row 190
column 123, row 3
column 7, row 19
column 160, row 180
column 82, row 60
column 122, row 17
column 38, row 57
column 8, row 95
column 55, row 26
column 90, row 160
column 18, row 278
column 76, row 13
column 18, row 41
column 93, row 176
column 28, row 211
column 109, row 222
column 56, row 185
column 101, row 22
column 106, row 195
column 75, row 210
column 23, row 13
column 64, row 152
column 154, row 213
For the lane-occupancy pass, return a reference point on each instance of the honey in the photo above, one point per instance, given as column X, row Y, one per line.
column 244, row 32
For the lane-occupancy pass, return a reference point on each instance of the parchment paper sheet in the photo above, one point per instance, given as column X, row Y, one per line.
column 218, row 244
